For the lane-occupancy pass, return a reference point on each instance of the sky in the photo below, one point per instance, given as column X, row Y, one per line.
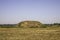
column 15, row 11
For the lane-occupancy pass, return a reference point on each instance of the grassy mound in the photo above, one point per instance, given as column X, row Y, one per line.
column 29, row 24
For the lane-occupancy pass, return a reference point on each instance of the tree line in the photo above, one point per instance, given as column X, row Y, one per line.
column 42, row 26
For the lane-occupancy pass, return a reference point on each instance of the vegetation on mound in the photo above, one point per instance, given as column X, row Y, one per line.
column 29, row 24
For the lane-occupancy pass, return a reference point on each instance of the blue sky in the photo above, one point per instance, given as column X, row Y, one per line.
column 15, row 11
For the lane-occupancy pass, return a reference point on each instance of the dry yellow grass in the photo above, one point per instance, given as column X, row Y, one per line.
column 29, row 34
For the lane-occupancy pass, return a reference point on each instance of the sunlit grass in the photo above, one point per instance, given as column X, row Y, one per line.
column 29, row 34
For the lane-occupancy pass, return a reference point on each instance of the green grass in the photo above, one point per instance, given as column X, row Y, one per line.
column 29, row 33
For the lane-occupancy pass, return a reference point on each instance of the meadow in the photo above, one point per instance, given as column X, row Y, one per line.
column 30, row 33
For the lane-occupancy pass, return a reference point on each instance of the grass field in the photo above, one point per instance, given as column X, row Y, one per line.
column 29, row 34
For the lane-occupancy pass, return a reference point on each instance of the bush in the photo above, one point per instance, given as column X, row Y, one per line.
column 43, row 26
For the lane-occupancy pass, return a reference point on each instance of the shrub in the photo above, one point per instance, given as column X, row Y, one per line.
column 43, row 26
